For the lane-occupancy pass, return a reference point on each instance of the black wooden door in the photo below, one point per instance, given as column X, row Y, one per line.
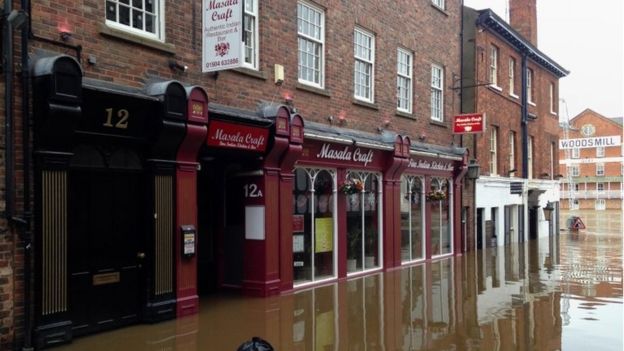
column 105, row 248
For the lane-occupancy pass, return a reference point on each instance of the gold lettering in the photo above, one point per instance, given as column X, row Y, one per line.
column 122, row 115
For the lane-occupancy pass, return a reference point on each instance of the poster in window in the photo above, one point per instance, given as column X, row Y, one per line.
column 298, row 243
column 323, row 234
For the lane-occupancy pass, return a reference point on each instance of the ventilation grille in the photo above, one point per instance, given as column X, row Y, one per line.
column 163, row 191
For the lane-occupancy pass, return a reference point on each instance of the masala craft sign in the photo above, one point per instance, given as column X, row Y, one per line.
column 222, row 35
column 237, row 136
column 469, row 123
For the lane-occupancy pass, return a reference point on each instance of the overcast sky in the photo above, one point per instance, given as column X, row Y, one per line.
column 587, row 39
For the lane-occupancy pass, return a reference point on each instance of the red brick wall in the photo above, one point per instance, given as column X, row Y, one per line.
column 432, row 34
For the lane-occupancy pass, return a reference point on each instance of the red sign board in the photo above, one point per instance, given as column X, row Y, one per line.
column 237, row 136
column 469, row 123
column 298, row 224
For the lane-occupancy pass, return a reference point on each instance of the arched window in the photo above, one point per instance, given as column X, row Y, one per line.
column 412, row 219
column 440, row 197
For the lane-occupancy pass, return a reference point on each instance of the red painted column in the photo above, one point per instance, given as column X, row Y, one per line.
column 458, row 180
column 186, row 203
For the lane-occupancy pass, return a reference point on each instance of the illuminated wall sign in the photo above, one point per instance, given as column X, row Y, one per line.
column 584, row 143
column 345, row 154
column 222, row 35
column 435, row 165
column 469, row 123
column 237, row 136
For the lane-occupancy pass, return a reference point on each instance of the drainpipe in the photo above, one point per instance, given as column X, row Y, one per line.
column 525, row 118
column 7, row 67
column 27, row 215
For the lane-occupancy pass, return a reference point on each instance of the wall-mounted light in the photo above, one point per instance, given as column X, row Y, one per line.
column 175, row 65
column 65, row 36
column 473, row 170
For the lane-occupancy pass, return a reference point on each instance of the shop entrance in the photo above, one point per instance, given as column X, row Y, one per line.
column 105, row 248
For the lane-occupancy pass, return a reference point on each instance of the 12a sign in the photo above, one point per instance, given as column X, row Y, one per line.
column 469, row 123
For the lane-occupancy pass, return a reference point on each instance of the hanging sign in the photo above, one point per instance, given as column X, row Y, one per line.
column 237, row 136
column 222, row 35
column 469, row 123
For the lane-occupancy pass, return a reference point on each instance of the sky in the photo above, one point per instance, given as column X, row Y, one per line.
column 587, row 39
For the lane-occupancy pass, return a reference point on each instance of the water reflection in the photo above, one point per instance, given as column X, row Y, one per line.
column 558, row 293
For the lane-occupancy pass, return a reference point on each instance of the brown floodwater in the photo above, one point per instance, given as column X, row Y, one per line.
column 558, row 293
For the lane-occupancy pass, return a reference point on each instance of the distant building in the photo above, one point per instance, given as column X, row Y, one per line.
column 516, row 86
column 591, row 161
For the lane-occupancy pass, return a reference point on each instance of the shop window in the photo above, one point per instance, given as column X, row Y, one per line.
column 440, row 198
column 412, row 219
column 314, row 225
column 363, row 193
column 142, row 17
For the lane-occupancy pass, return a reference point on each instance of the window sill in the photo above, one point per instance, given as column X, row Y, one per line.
column 495, row 87
column 311, row 89
column 514, row 96
column 438, row 123
column 554, row 114
column 365, row 104
column 135, row 39
column 441, row 10
column 251, row 72
column 405, row 115
column 532, row 103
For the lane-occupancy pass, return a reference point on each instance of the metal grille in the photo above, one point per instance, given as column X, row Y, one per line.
column 54, row 242
column 163, row 217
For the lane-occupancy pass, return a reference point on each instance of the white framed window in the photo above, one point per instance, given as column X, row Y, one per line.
column 601, row 204
column 412, row 218
column 575, row 204
column 404, row 80
column 140, row 17
column 364, row 71
column 530, row 86
column 512, row 153
column 551, row 96
column 493, row 150
column 552, row 160
column 439, row 3
column 512, row 76
column 437, row 93
column 600, row 169
column 494, row 65
column 530, row 158
column 251, row 34
column 600, row 187
column 311, row 42
column 600, row 151
column 576, row 152
column 575, row 170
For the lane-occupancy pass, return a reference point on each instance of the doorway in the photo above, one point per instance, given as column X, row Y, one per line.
column 106, row 248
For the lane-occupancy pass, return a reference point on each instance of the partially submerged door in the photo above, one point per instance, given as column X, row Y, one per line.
column 105, row 248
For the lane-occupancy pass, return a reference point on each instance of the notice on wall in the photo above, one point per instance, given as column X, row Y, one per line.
column 222, row 35
column 298, row 243
column 324, row 234
column 254, row 222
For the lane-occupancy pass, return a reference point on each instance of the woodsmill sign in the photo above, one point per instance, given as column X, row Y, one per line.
column 469, row 123
column 584, row 143
column 222, row 35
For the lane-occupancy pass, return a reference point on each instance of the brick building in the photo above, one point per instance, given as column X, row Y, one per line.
column 590, row 159
column 509, row 80
column 144, row 182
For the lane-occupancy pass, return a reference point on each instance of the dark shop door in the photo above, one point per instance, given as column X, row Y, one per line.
column 234, row 232
column 105, row 249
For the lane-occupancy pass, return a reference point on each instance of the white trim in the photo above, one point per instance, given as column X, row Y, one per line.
column 409, row 77
column 321, row 42
column 367, row 61
column 159, row 14
column 439, row 89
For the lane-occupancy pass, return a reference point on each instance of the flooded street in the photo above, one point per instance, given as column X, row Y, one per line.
column 558, row 293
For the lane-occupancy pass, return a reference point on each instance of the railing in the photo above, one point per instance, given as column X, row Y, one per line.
column 594, row 194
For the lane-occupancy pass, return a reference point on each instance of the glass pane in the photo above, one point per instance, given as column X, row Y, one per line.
column 149, row 23
column 111, row 11
column 405, row 220
column 324, row 226
column 417, row 216
column 149, row 6
column 354, row 232
column 137, row 4
column 124, row 15
column 127, row 2
column 302, row 228
column 137, row 19
column 445, row 223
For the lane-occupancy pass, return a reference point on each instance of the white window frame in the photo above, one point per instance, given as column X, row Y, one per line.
column 600, row 204
column 600, row 188
column 600, row 151
column 576, row 152
column 551, row 91
column 512, row 153
column 405, row 61
column 512, row 77
column 494, row 65
column 493, row 150
column 530, row 86
column 575, row 170
column 362, row 60
column 600, row 169
column 251, row 12
column 159, row 21
column 439, row 4
column 320, row 41
column 437, row 88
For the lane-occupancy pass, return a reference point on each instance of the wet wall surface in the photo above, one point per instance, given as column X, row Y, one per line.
column 558, row 293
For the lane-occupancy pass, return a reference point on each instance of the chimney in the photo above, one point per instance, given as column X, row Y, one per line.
column 523, row 18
